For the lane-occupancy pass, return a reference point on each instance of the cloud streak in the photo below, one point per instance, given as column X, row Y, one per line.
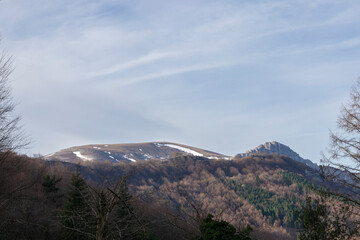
column 206, row 73
column 148, row 58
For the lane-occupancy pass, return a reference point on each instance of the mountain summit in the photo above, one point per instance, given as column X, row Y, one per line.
column 277, row 148
column 130, row 152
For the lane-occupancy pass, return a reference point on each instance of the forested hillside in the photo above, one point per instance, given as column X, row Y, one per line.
column 263, row 191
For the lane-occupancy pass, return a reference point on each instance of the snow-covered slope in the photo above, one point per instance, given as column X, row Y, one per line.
column 130, row 152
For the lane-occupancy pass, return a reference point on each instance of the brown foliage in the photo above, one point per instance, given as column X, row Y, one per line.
column 192, row 188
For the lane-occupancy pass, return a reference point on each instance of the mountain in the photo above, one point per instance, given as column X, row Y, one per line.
column 135, row 152
column 131, row 152
column 278, row 148
column 179, row 184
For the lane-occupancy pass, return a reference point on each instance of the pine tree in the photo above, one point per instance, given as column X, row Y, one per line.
column 49, row 186
column 313, row 218
column 125, row 218
column 76, row 215
column 124, row 208
column 126, row 222
column 319, row 223
column 221, row 230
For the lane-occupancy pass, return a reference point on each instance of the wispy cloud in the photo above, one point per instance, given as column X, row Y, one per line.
column 185, row 65
column 170, row 72
column 148, row 58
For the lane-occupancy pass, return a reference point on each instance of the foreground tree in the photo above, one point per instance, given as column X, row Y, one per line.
column 319, row 222
column 76, row 215
column 11, row 136
column 11, row 140
column 101, row 212
column 342, row 165
column 50, row 188
column 220, row 230
column 343, row 161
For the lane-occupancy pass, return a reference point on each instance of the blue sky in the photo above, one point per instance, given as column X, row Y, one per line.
column 220, row 75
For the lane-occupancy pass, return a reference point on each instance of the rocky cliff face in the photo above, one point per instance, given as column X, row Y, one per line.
column 278, row 148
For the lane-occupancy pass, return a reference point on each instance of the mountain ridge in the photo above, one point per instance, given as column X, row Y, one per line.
column 133, row 152
column 130, row 152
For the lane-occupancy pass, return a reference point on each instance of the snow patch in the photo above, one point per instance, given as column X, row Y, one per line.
column 140, row 149
column 187, row 150
column 79, row 155
column 128, row 158
column 158, row 144
column 218, row 158
column 96, row 147
column 49, row 155
column 114, row 158
column 147, row 156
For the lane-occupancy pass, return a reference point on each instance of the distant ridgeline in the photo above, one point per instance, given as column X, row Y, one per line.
column 135, row 152
column 131, row 152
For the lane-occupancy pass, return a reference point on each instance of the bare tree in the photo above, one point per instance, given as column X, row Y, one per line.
column 11, row 140
column 343, row 160
column 100, row 212
column 11, row 136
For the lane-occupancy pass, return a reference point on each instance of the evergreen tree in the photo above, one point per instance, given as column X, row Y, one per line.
column 50, row 204
column 318, row 223
column 124, row 207
column 126, row 224
column 313, row 218
column 125, row 217
column 76, row 215
column 221, row 230
column 103, row 208
column 49, row 186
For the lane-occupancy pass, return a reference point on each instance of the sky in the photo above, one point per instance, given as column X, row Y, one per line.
column 225, row 75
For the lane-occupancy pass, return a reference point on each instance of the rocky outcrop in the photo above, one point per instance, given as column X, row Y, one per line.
column 278, row 148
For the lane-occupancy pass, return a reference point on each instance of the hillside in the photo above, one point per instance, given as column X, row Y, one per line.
column 262, row 190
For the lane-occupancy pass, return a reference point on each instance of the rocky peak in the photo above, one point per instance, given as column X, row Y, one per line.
column 278, row 148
